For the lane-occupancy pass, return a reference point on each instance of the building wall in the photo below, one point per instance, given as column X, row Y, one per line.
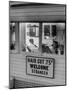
column 18, row 69
column 48, row 13
column 18, row 60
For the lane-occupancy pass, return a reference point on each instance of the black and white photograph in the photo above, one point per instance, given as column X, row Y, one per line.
column 37, row 44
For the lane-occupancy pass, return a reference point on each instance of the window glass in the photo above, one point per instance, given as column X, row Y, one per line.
column 29, row 37
column 32, row 30
column 12, row 34
column 53, row 38
column 46, row 30
column 32, row 37
column 54, row 30
column 14, row 37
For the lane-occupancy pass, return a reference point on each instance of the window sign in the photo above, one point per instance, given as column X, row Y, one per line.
column 40, row 66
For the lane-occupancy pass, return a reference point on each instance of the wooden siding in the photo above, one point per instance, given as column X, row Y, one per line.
column 18, row 69
column 38, row 14
column 18, row 61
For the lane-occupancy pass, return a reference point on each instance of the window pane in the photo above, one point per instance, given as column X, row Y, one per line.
column 53, row 38
column 53, row 30
column 33, row 30
column 29, row 37
column 14, row 38
column 32, row 37
column 46, row 30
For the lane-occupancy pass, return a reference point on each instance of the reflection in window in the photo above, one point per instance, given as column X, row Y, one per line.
column 54, row 30
column 32, row 37
column 12, row 36
column 53, row 38
column 46, row 30
column 48, row 38
column 33, row 30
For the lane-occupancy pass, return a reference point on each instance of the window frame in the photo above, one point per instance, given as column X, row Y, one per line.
column 40, row 30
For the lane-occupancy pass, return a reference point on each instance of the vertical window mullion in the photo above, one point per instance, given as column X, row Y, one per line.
column 40, row 37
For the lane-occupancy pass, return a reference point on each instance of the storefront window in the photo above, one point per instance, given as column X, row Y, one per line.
column 46, row 31
column 53, row 38
column 33, row 30
column 32, row 37
column 29, row 37
column 54, row 32
column 13, row 37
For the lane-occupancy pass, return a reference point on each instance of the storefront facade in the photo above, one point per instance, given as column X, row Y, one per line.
column 37, row 44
